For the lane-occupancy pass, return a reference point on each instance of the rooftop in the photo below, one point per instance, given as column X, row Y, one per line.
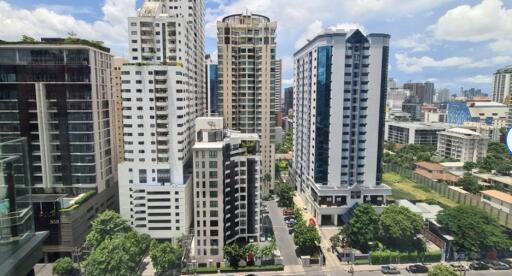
column 430, row 166
column 57, row 42
column 419, row 125
column 498, row 195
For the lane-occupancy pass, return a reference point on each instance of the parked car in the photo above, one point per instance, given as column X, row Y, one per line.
column 496, row 265
column 459, row 267
column 478, row 265
column 388, row 269
column 287, row 212
column 417, row 268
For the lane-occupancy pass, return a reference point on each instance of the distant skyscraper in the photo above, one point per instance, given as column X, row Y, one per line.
column 502, row 85
column 424, row 92
column 212, row 86
column 443, row 95
column 288, row 100
column 339, row 122
column 392, row 83
column 247, row 60
column 163, row 92
column 473, row 92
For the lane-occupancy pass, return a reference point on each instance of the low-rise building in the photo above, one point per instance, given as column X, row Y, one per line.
column 435, row 172
column 498, row 182
column 489, row 113
column 497, row 199
column 462, row 144
column 413, row 132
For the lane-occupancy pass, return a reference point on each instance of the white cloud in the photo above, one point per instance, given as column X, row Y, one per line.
column 311, row 31
column 501, row 45
column 287, row 63
column 347, row 27
column 287, row 82
column 489, row 20
column 414, row 43
column 410, row 64
column 478, row 79
column 43, row 22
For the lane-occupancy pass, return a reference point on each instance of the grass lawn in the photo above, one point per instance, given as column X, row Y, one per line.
column 404, row 188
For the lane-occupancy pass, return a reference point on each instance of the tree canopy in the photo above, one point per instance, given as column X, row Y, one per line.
column 106, row 224
column 287, row 145
column 469, row 183
column 165, row 256
column 399, row 227
column 63, row 267
column 410, row 154
column 498, row 158
column 234, row 253
column 119, row 255
column 285, row 192
column 441, row 270
column 473, row 229
column 306, row 237
column 362, row 228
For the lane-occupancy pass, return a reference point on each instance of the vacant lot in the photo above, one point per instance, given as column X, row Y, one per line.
column 404, row 188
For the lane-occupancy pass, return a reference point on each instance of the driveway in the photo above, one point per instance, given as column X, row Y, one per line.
column 283, row 239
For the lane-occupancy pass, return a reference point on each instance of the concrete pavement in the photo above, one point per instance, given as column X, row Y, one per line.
column 283, row 239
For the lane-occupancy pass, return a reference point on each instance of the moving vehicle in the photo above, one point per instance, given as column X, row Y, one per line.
column 388, row 269
column 417, row 268
column 478, row 265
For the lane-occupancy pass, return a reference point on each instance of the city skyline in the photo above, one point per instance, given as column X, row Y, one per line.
column 427, row 44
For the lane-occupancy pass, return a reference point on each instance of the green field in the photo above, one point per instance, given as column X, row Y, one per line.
column 404, row 188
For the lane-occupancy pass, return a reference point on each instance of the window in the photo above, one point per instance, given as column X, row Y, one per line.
column 213, row 194
column 213, row 154
column 213, row 164
column 213, row 174
column 213, row 184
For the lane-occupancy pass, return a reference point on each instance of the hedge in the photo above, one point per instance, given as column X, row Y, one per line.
column 387, row 257
column 212, row 270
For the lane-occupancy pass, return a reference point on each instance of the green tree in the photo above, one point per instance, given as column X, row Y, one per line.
column 26, row 38
column 297, row 215
column 234, row 253
column 363, row 227
column 285, row 193
column 267, row 251
column 119, row 255
column 399, row 227
column 441, row 270
column 306, row 237
column 63, row 267
column 165, row 256
column 469, row 183
column 335, row 240
column 468, row 166
column 473, row 229
column 106, row 224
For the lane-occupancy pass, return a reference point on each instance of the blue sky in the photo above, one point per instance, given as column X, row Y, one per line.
column 455, row 43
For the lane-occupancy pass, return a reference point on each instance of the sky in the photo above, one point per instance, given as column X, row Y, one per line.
column 454, row 43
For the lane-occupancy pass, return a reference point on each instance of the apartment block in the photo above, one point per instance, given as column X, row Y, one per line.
column 118, row 107
column 212, row 90
column 502, row 85
column 163, row 91
column 340, row 81
column 462, row 144
column 247, row 80
column 413, row 132
column 58, row 95
column 226, row 189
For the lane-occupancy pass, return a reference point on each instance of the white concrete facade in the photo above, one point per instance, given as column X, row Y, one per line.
column 163, row 91
column 462, row 144
column 340, row 83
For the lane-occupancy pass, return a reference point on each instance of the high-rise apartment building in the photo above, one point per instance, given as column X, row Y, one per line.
column 58, row 95
column 502, row 85
column 247, row 61
column 424, row 91
column 163, row 92
column 462, row 144
column 226, row 188
column 212, row 91
column 340, row 81
column 277, row 94
column 118, row 108
column 288, row 100
column 443, row 95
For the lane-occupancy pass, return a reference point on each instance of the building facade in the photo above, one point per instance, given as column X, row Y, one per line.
column 118, row 108
column 424, row 91
column 502, row 85
column 490, row 113
column 247, row 78
column 211, row 85
column 413, row 133
column 163, row 91
column 58, row 94
column 412, row 106
column 288, row 100
column 339, row 80
column 462, row 144
column 226, row 189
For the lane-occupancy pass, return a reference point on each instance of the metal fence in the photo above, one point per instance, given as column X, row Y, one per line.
column 503, row 217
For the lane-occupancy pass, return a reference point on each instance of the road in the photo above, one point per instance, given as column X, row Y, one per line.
column 318, row 272
column 283, row 239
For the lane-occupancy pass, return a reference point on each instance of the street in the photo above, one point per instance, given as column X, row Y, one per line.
column 283, row 239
